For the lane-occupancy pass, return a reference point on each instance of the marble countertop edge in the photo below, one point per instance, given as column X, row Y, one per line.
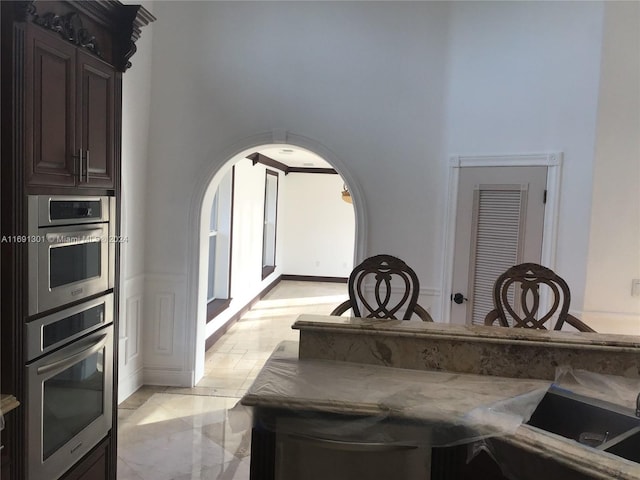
column 8, row 403
column 575, row 455
column 401, row 328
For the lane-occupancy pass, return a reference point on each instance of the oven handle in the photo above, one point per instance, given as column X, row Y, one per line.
column 75, row 237
column 352, row 446
column 73, row 358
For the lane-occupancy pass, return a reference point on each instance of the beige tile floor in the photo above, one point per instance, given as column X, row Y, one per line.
column 168, row 433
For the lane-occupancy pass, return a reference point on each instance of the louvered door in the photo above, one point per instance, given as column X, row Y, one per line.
column 499, row 223
column 496, row 241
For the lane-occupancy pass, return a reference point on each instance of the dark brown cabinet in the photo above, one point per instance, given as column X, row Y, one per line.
column 95, row 122
column 95, row 466
column 69, row 114
column 62, row 63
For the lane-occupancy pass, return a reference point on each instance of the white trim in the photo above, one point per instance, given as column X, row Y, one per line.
column 138, row 277
column 523, row 160
column 175, row 278
column 553, row 162
column 167, row 377
column 128, row 384
column 214, row 166
column 131, row 328
column 164, row 322
column 130, row 365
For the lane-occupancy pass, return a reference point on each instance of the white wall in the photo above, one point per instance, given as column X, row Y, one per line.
column 248, row 217
column 136, row 97
column 223, row 72
column 318, row 227
column 614, row 241
column 246, row 250
column 390, row 90
column 523, row 78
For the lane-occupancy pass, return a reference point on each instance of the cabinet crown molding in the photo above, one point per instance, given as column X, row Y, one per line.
column 69, row 27
column 65, row 17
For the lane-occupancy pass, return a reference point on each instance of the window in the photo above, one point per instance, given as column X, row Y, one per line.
column 219, row 238
column 270, row 221
column 213, row 236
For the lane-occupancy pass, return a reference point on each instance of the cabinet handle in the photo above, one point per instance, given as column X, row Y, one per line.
column 86, row 162
column 352, row 446
column 79, row 163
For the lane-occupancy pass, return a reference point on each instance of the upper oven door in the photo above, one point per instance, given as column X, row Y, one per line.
column 67, row 264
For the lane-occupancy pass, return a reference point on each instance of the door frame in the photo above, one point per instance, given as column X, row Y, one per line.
column 553, row 162
column 208, row 179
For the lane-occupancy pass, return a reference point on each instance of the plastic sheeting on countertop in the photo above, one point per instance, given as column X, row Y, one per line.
column 617, row 390
column 449, row 408
column 367, row 403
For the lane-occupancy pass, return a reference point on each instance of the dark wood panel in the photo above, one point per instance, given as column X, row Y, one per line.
column 94, row 466
column 324, row 171
column 315, row 278
column 49, row 109
column 263, row 454
column 13, row 48
column 42, row 73
column 270, row 162
column 96, row 121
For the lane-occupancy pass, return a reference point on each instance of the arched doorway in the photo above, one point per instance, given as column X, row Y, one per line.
column 201, row 220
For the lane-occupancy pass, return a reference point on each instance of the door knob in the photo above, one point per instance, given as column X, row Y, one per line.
column 458, row 298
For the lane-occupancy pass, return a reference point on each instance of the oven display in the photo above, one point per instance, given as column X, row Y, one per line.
column 72, row 399
column 74, row 263
column 74, row 209
column 69, row 326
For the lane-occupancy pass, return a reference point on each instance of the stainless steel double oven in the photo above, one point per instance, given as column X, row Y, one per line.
column 69, row 331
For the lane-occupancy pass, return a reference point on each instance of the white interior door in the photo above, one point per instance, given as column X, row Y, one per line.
column 499, row 223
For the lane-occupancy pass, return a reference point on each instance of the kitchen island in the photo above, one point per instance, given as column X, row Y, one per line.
column 450, row 408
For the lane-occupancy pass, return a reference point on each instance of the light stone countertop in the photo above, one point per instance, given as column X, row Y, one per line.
column 493, row 334
column 481, row 405
column 8, row 403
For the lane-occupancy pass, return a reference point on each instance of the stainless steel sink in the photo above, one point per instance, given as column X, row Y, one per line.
column 626, row 445
column 590, row 421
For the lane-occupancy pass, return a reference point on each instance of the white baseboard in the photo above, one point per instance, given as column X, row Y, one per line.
column 168, row 378
column 129, row 384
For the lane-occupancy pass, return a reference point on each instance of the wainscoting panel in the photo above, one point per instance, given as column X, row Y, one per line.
column 164, row 322
column 133, row 315
column 130, row 336
column 165, row 327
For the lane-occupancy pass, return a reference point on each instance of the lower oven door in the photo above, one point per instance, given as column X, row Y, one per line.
column 69, row 404
column 46, row 334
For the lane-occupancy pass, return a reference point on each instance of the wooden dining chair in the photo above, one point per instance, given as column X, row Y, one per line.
column 380, row 273
column 518, row 290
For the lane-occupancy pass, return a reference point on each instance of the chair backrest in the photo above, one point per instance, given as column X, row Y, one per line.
column 382, row 272
column 522, row 302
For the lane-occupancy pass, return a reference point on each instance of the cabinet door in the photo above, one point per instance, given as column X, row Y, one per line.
column 96, row 122
column 50, row 101
column 94, row 466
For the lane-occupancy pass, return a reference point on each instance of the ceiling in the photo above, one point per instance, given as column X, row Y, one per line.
column 294, row 157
